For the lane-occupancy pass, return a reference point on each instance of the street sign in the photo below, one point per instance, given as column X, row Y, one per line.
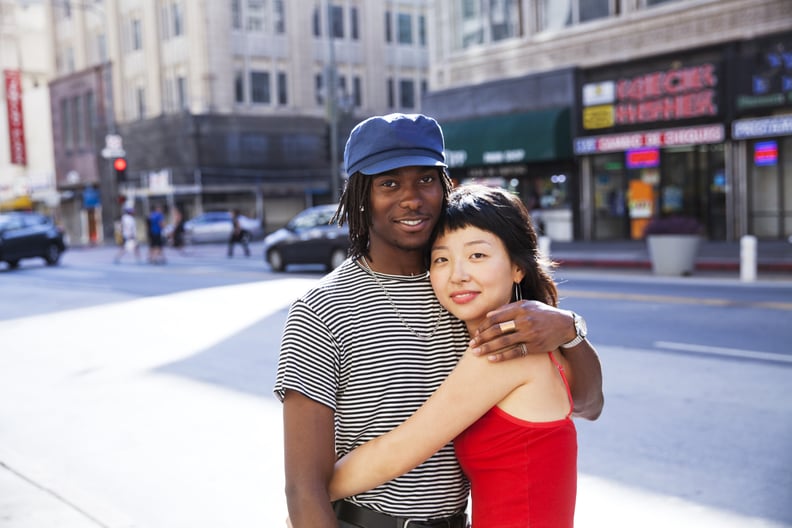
column 110, row 153
column 114, row 147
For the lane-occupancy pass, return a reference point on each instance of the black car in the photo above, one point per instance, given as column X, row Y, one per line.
column 308, row 238
column 29, row 235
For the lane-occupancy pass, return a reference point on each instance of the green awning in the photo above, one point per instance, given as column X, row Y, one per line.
column 543, row 135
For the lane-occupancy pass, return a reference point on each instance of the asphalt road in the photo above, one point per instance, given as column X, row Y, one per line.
column 138, row 395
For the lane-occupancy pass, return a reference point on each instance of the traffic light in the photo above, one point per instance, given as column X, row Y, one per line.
column 120, row 166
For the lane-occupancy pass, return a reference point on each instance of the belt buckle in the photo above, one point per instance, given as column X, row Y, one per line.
column 446, row 521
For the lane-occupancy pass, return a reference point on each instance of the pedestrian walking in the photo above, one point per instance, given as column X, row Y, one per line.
column 156, row 222
column 239, row 235
column 177, row 235
column 370, row 343
column 129, row 243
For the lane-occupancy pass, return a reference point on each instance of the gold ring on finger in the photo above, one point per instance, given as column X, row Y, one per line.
column 508, row 326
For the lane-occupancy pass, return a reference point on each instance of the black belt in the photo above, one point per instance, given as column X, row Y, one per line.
column 368, row 518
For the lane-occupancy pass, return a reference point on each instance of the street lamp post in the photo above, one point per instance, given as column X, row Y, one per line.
column 331, row 103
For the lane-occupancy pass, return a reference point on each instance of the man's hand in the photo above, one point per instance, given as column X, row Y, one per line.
column 536, row 325
column 532, row 327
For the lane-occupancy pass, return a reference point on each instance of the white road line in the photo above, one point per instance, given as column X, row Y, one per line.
column 723, row 351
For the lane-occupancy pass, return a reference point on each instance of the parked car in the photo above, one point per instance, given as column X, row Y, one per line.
column 26, row 235
column 215, row 226
column 308, row 238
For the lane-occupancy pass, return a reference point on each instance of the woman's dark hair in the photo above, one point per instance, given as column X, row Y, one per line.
column 354, row 209
column 504, row 215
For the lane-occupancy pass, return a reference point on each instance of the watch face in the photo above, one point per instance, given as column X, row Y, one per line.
column 580, row 326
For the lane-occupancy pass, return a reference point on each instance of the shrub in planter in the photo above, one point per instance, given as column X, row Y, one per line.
column 673, row 225
column 673, row 243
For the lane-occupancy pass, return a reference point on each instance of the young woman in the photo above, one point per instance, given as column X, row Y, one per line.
column 510, row 421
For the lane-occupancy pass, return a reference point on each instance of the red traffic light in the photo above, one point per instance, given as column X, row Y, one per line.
column 120, row 164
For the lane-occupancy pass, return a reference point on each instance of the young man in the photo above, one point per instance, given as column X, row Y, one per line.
column 366, row 347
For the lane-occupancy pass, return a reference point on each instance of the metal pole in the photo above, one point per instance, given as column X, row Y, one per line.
column 331, row 95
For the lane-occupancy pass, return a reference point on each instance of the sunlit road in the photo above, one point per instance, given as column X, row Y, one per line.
column 136, row 395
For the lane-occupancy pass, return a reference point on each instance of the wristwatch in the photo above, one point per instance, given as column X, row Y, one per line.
column 580, row 330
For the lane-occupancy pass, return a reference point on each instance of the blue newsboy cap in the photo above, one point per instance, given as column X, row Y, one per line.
column 383, row 143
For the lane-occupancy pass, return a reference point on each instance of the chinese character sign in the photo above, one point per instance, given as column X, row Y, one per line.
column 16, row 122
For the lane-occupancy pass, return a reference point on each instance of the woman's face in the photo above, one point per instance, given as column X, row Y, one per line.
column 471, row 273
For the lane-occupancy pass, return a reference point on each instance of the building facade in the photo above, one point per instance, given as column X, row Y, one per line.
column 671, row 104
column 27, row 176
column 219, row 105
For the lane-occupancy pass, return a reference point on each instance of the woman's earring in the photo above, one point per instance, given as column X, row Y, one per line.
column 517, row 292
column 362, row 208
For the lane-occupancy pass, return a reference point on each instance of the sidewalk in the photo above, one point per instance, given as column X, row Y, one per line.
column 774, row 258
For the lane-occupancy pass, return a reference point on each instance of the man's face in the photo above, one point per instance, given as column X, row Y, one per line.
column 405, row 205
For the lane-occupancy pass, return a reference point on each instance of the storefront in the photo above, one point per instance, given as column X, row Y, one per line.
column 651, row 141
column 528, row 153
column 762, row 136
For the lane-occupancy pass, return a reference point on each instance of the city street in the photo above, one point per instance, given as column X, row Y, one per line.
column 135, row 395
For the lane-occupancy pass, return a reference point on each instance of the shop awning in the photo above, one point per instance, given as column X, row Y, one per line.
column 543, row 135
column 18, row 203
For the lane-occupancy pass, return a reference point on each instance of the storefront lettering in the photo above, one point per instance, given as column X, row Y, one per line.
column 763, row 127
column 693, row 135
column 504, row 156
column 681, row 93
column 668, row 108
column 658, row 138
column 670, row 82
column 456, row 158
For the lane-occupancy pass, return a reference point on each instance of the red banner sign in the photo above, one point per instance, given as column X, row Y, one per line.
column 16, row 121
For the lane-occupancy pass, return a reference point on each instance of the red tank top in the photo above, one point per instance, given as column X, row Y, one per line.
column 522, row 474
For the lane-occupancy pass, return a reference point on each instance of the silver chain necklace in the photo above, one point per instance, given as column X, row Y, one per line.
column 396, row 309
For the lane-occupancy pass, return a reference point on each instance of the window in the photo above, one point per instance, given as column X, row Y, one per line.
column 255, row 15
column 239, row 87
column 67, row 60
column 176, row 19
column 181, row 92
column 388, row 31
column 337, row 21
column 354, row 31
column 78, row 117
column 317, row 23
column 260, row 87
column 405, row 28
column 407, row 94
column 422, row 31
column 555, row 15
column 357, row 98
column 283, row 89
column 280, row 17
column 90, row 116
column 236, row 14
column 136, row 37
column 504, row 19
column 319, row 88
column 489, row 21
column 472, row 23
column 391, row 95
column 66, row 136
column 101, row 47
column 140, row 96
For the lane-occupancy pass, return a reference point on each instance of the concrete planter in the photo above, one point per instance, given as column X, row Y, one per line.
column 673, row 255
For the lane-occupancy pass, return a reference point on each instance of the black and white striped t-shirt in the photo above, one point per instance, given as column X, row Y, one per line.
column 345, row 346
